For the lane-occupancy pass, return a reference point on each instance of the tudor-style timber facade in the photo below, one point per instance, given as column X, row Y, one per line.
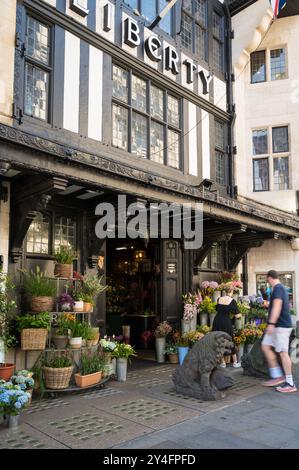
column 96, row 105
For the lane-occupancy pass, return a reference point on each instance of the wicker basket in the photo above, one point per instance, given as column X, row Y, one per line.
column 63, row 270
column 34, row 339
column 42, row 304
column 57, row 379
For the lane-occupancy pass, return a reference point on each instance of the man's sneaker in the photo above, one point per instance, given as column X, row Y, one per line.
column 236, row 365
column 286, row 388
column 223, row 365
column 274, row 382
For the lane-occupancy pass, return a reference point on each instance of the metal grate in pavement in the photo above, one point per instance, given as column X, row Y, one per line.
column 150, row 383
column 43, row 405
column 105, row 392
column 86, row 426
column 20, row 441
column 145, row 409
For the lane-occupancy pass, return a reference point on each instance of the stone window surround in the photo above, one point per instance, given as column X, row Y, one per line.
column 270, row 155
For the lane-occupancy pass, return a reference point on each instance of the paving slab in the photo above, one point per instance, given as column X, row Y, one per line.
column 26, row 437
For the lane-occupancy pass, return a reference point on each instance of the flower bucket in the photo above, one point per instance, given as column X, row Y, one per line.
column 185, row 326
column 249, row 348
column 212, row 318
column 241, row 348
column 160, row 350
column 12, row 421
column 216, row 295
column 203, row 319
column 83, row 381
column 42, row 304
column 63, row 270
column 121, row 369
column 183, row 351
column 6, row 371
column 239, row 323
column 193, row 323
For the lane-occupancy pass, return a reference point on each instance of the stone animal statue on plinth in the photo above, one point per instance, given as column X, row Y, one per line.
column 199, row 376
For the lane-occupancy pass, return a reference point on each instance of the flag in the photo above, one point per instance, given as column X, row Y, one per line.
column 277, row 6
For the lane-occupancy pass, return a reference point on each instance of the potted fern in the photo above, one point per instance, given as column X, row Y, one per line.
column 91, row 287
column 91, row 369
column 40, row 289
column 64, row 258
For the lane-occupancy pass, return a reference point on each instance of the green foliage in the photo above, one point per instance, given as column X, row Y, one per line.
column 257, row 313
column 92, row 285
column 64, row 255
column 92, row 333
column 124, row 351
column 90, row 363
column 171, row 349
column 79, row 329
column 37, row 284
column 7, row 307
column 78, row 295
column 58, row 362
column 207, row 306
column 63, row 326
column 39, row 320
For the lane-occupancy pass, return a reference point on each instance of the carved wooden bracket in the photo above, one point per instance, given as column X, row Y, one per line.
column 27, row 200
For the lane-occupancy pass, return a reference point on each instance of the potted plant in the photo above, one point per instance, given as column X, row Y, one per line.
column 243, row 309
column 207, row 308
column 161, row 332
column 57, row 371
column 191, row 305
column 171, row 351
column 123, row 352
column 41, row 290
column 34, row 330
column 252, row 334
column 65, row 302
column 183, row 347
column 78, row 330
column 91, row 287
column 12, row 401
column 92, row 336
column 61, row 336
column 78, row 299
column 107, row 346
column 7, row 339
column 24, row 379
column 64, row 258
column 239, row 340
column 91, row 369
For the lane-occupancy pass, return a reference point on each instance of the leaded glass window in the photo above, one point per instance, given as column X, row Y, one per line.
column 194, row 24
column 278, row 64
column 280, row 138
column 157, row 142
column 260, row 142
column 218, row 42
column 38, row 235
column 37, row 69
column 258, row 67
column 220, row 153
column 120, row 83
column 64, row 233
column 139, row 90
column 261, row 174
column 139, row 135
column 150, row 9
column 281, row 173
column 36, row 91
column 146, row 119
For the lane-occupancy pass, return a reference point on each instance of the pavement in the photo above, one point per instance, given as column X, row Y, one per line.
column 146, row 413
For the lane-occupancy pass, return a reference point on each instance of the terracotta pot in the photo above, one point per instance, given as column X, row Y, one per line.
column 87, row 307
column 173, row 358
column 79, row 306
column 60, row 342
column 75, row 343
column 6, row 371
column 87, row 380
column 63, row 270
column 42, row 304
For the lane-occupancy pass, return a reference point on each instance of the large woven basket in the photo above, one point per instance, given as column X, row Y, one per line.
column 63, row 270
column 34, row 339
column 42, row 304
column 56, row 379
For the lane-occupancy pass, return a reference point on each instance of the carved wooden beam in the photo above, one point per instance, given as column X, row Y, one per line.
column 242, row 251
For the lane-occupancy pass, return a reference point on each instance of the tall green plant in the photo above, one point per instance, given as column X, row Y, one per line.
column 64, row 255
column 38, row 284
column 40, row 320
column 7, row 307
column 90, row 363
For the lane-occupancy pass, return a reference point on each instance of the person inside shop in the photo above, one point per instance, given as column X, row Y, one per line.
column 226, row 307
column 277, row 338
